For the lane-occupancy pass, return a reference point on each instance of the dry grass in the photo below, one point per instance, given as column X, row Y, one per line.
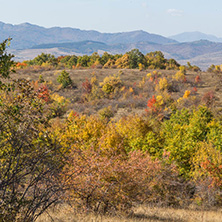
column 65, row 213
column 210, row 81
column 135, row 104
column 79, row 75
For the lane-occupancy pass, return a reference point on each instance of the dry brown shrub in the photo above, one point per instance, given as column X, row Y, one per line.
column 113, row 184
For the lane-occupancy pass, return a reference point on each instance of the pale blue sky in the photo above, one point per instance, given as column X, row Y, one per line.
column 165, row 17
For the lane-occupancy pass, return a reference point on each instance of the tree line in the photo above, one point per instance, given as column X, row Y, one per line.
column 133, row 59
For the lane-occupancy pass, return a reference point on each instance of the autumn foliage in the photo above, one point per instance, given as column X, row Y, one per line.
column 97, row 150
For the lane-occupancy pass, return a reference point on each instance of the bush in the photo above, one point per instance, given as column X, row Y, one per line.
column 182, row 133
column 106, row 113
column 111, row 84
column 114, row 184
column 208, row 98
column 65, row 79
column 58, row 105
column 91, row 90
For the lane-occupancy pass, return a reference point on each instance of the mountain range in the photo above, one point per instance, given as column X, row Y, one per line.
column 29, row 40
column 27, row 35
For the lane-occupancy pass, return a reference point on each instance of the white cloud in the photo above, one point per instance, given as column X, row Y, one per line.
column 175, row 12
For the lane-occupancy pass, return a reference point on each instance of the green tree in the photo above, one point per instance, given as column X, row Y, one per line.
column 64, row 79
column 156, row 60
column 93, row 58
column 6, row 62
column 44, row 58
column 105, row 58
column 183, row 132
column 83, row 61
column 135, row 58
column 69, row 61
column 172, row 64
column 72, row 61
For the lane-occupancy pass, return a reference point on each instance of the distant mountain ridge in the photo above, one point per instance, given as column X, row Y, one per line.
column 194, row 36
column 30, row 40
column 27, row 35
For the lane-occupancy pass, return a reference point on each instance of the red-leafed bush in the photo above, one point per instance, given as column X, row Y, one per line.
column 43, row 93
column 208, row 98
column 87, row 86
column 21, row 65
column 151, row 104
column 214, row 171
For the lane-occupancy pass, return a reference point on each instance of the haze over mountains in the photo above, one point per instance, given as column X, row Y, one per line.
column 30, row 40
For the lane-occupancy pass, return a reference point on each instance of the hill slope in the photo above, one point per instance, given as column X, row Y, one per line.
column 186, row 50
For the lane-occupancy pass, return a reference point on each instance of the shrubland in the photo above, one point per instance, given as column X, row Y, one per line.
column 107, row 140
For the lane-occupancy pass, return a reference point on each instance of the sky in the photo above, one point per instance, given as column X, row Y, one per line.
column 164, row 17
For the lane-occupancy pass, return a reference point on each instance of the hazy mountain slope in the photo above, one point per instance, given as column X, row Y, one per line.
column 202, row 53
column 136, row 36
column 27, row 54
column 24, row 35
column 88, row 47
column 195, row 36
column 27, row 35
column 180, row 51
column 84, row 47
column 204, row 61
column 190, row 50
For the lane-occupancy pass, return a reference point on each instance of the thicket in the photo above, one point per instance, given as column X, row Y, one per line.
column 133, row 59
column 170, row 155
